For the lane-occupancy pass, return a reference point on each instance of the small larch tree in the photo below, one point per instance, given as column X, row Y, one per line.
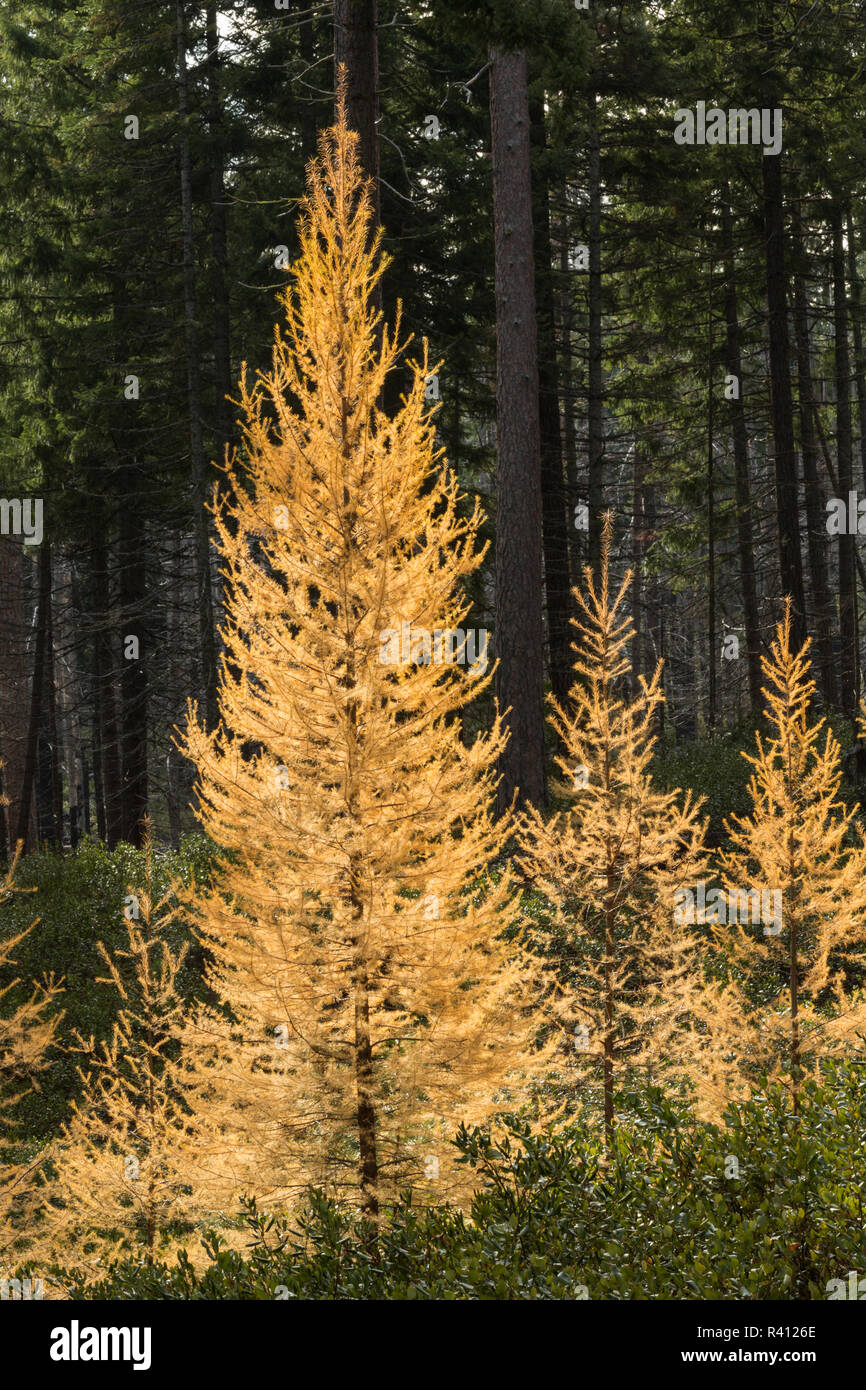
column 29, row 1018
column 611, row 862
column 130, row 1162
column 353, row 929
column 800, row 969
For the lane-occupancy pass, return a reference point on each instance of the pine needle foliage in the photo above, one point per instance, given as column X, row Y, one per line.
column 800, row 971
column 611, row 861
column 353, row 927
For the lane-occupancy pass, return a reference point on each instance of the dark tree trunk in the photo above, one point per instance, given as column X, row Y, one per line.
column 712, row 634
column 356, row 46
column 781, row 397
column 15, row 675
column 857, row 333
column 655, row 616
column 638, row 662
column 519, row 681
column 813, row 491
column 5, row 845
column 223, row 384
column 307, row 41
column 849, row 665
column 133, row 680
column 207, row 646
column 595, row 404
column 54, row 823
column 96, row 736
column 37, row 687
column 171, row 797
column 742, row 478
column 106, row 752
column 554, row 516
column 85, row 786
column 569, row 434
column 368, row 1159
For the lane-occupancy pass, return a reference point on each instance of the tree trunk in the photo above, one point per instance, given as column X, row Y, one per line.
column 554, row 516
column 307, row 44
column 207, row 645
column 223, row 384
column 781, row 399
column 54, row 825
column 595, row 404
column 106, row 746
column 569, row 434
column 608, row 1011
column 638, row 661
column 711, row 519
column 848, row 665
column 816, row 514
column 655, row 614
column 519, row 526
column 69, row 701
column 36, row 697
column 368, row 1161
column 15, row 675
column 857, row 332
column 133, row 680
column 356, row 46
column 742, row 479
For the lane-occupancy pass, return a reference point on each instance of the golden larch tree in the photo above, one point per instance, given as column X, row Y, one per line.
column 611, row 862
column 27, row 1031
column 353, row 929
column 800, row 969
column 130, row 1162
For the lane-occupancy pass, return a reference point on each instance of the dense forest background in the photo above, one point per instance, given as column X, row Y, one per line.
column 680, row 331
column 633, row 240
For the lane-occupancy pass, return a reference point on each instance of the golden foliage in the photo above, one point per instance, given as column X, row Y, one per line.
column 374, row 1003
column 129, row 1159
column 27, row 1032
column 610, row 863
column 800, row 980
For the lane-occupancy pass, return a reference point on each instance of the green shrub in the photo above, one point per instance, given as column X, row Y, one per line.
column 763, row 1207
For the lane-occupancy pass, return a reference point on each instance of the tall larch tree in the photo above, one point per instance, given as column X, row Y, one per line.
column 352, row 927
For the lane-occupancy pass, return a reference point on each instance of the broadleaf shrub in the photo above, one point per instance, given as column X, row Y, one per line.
column 764, row 1206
